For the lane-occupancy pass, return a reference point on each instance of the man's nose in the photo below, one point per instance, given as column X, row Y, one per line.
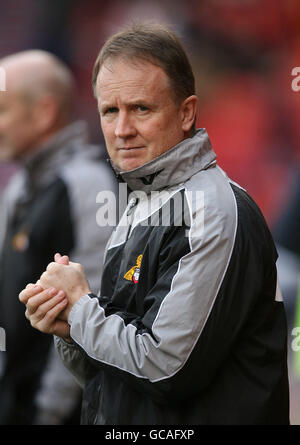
column 125, row 126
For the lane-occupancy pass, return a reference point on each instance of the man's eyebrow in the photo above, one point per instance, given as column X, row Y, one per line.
column 132, row 102
column 104, row 106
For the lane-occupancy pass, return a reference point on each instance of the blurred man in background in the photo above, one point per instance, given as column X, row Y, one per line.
column 49, row 206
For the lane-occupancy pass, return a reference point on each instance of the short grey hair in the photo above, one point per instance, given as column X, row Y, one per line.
column 153, row 43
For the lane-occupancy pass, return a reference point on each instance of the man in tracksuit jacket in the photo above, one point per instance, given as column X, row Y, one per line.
column 189, row 325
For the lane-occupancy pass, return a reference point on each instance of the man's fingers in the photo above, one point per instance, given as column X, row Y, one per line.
column 51, row 315
column 29, row 291
column 29, row 285
column 47, row 277
column 61, row 259
column 44, row 308
column 65, row 260
column 49, row 323
column 51, row 267
column 78, row 266
column 36, row 300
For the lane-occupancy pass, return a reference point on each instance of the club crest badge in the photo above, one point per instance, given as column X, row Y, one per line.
column 20, row 241
column 134, row 273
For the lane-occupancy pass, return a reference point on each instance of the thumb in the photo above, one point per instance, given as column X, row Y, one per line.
column 61, row 259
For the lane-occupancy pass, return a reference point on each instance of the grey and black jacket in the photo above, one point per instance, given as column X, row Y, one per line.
column 189, row 326
column 50, row 206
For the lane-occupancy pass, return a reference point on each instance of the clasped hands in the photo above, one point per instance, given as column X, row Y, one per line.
column 50, row 300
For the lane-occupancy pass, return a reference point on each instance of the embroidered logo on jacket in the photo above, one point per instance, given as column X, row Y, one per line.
column 20, row 241
column 134, row 273
column 148, row 180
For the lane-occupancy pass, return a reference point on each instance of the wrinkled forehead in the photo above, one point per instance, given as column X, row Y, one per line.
column 133, row 73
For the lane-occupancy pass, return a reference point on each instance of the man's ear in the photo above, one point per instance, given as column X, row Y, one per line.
column 188, row 112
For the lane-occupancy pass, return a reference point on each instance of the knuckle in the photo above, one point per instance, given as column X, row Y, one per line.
column 79, row 267
column 21, row 296
column 38, row 313
column 48, row 318
column 30, row 306
column 50, row 267
column 32, row 322
column 44, row 276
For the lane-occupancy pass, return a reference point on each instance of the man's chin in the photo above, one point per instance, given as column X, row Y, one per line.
column 132, row 164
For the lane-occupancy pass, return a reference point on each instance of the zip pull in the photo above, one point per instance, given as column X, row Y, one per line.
column 132, row 203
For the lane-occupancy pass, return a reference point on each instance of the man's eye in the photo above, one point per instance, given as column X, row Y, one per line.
column 110, row 110
column 142, row 108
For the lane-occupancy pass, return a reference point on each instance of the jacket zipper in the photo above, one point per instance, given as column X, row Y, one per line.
column 132, row 203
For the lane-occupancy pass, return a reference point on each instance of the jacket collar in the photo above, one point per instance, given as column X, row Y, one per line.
column 172, row 167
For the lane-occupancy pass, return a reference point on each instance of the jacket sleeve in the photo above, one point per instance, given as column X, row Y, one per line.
column 72, row 358
column 202, row 299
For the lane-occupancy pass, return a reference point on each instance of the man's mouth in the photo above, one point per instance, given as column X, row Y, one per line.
column 130, row 148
